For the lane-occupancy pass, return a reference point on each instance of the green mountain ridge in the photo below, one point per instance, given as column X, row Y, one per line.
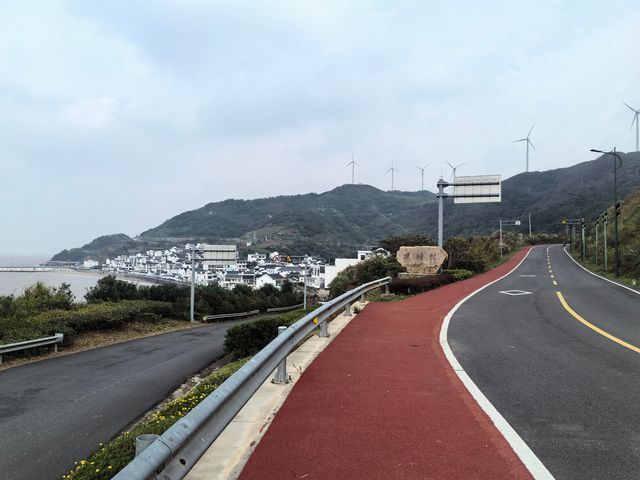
column 337, row 222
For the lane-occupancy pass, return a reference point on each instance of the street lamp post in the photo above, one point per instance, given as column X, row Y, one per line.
column 597, row 225
column 616, row 165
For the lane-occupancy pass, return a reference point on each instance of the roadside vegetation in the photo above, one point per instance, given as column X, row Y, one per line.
column 118, row 306
column 628, row 241
column 249, row 338
column 467, row 256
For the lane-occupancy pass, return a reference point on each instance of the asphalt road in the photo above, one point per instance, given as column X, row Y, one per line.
column 57, row 411
column 571, row 392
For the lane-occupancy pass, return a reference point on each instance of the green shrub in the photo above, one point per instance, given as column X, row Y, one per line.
column 115, row 455
column 459, row 274
column 364, row 272
column 89, row 318
column 409, row 286
column 249, row 338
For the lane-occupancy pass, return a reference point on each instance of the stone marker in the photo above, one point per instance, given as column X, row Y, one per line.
column 425, row 260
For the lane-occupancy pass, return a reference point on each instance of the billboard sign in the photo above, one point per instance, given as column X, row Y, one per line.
column 477, row 189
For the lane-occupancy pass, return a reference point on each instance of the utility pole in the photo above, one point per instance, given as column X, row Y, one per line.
column 305, row 284
column 441, row 184
column 500, row 243
column 529, row 223
column 193, row 282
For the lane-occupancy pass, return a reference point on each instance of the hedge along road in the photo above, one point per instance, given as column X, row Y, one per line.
column 57, row 411
column 559, row 362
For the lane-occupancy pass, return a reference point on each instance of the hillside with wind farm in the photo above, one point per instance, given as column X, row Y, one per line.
column 338, row 222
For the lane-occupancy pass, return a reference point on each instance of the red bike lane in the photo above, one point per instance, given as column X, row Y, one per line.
column 382, row 402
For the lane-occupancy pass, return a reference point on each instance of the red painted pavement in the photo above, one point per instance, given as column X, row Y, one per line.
column 382, row 402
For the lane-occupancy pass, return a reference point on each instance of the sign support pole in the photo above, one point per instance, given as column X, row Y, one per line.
column 500, row 238
column 441, row 195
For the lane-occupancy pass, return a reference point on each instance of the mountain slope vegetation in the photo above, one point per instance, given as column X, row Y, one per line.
column 337, row 222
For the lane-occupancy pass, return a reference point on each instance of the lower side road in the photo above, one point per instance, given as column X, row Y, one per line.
column 541, row 345
column 57, row 411
column 382, row 402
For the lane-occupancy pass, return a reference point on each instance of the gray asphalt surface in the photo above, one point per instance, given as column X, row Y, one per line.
column 569, row 392
column 57, row 411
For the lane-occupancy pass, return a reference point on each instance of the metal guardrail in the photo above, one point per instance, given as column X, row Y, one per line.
column 38, row 342
column 230, row 315
column 285, row 309
column 178, row 449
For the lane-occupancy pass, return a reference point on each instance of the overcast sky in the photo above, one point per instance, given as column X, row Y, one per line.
column 117, row 115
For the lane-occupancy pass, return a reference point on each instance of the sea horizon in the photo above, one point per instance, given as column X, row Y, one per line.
column 22, row 260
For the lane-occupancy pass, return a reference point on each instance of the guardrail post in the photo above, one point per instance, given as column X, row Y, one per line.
column 143, row 441
column 362, row 297
column 347, row 310
column 324, row 329
column 281, row 372
column 386, row 289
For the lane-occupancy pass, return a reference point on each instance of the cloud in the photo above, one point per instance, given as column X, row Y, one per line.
column 127, row 113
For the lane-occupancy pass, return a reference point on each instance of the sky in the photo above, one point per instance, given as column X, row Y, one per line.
column 115, row 116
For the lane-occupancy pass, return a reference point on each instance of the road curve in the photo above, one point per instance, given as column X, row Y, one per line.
column 557, row 362
column 57, row 411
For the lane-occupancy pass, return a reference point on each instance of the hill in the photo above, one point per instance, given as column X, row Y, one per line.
column 337, row 222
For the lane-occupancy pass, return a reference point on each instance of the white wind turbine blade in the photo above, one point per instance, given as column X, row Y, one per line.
column 635, row 119
column 531, row 143
column 631, row 108
column 521, row 140
column 463, row 163
column 528, row 134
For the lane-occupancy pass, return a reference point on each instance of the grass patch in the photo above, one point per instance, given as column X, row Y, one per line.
column 599, row 269
column 116, row 454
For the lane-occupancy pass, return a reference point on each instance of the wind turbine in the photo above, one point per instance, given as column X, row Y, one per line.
column 353, row 164
column 635, row 119
column 453, row 169
column 528, row 140
column 422, row 175
column 392, row 170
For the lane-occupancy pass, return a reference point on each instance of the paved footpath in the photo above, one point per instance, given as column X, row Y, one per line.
column 382, row 402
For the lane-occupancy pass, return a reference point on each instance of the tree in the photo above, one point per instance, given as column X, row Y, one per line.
column 110, row 289
column 393, row 243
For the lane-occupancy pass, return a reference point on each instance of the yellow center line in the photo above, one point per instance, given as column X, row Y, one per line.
column 593, row 327
column 555, row 283
column 550, row 271
column 551, row 276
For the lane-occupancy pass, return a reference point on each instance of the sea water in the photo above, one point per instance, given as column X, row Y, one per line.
column 14, row 283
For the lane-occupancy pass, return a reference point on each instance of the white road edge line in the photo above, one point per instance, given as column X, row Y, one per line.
column 528, row 458
column 600, row 277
